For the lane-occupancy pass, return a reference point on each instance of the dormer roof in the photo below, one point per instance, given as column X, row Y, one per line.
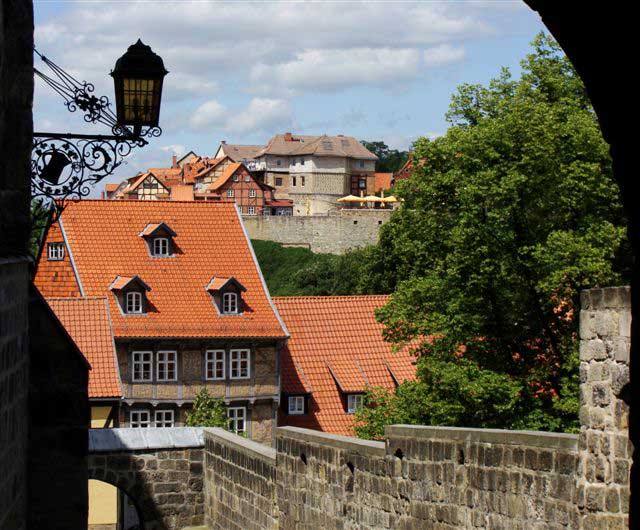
column 218, row 283
column 152, row 228
column 122, row 282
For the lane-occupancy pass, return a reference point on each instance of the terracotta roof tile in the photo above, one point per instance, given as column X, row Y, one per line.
column 88, row 323
column 226, row 175
column 296, row 144
column 210, row 242
column 336, row 347
column 382, row 181
column 181, row 192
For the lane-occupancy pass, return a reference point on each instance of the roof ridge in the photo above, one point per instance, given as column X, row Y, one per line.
column 328, row 297
column 78, row 298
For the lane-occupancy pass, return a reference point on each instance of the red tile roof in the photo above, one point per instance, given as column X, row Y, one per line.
column 226, row 175
column 88, row 323
column 382, row 181
column 210, row 242
column 336, row 347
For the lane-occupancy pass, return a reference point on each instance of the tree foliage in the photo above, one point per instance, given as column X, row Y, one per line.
column 389, row 160
column 513, row 212
column 207, row 411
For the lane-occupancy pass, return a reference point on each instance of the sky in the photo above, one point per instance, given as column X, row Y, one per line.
column 242, row 71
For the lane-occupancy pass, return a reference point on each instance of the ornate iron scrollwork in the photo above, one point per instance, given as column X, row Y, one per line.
column 66, row 166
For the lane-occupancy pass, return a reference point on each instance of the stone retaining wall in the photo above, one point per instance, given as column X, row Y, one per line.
column 335, row 233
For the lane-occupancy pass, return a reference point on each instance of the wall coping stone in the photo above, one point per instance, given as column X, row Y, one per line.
column 550, row 440
column 606, row 298
column 242, row 444
column 131, row 439
column 348, row 443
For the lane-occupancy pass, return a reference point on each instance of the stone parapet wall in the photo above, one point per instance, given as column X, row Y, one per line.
column 335, row 233
column 606, row 451
column 239, row 483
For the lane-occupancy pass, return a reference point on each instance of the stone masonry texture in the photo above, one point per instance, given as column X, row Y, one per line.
column 16, row 95
column 335, row 233
column 445, row 477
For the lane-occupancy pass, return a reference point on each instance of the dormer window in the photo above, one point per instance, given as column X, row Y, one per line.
column 227, row 295
column 159, row 239
column 134, row 302
column 230, row 303
column 161, row 247
column 130, row 291
column 354, row 402
column 55, row 251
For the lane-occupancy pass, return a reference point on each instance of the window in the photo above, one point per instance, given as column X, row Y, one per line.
column 362, row 183
column 214, row 364
column 293, row 181
column 251, row 210
column 134, row 302
column 163, row 418
column 361, row 163
column 139, row 419
column 236, row 178
column 55, row 251
column 240, row 364
column 301, row 161
column 237, row 419
column 252, row 193
column 278, row 162
column 230, row 303
column 354, row 402
column 278, row 181
column 301, row 181
column 166, row 366
column 296, row 404
column 142, row 366
column 247, row 178
column 230, row 193
column 161, row 246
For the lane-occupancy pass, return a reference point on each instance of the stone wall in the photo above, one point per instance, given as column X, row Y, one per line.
column 239, row 483
column 446, row 477
column 16, row 95
column 334, row 233
column 605, row 456
column 159, row 469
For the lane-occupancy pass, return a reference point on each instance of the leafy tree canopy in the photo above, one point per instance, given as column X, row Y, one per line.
column 389, row 160
column 207, row 411
column 512, row 212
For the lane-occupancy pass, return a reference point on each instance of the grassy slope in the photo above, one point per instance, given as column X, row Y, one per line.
column 280, row 264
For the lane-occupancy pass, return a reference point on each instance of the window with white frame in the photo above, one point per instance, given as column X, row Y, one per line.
column 239, row 364
column 230, row 193
column 237, row 419
column 236, row 177
column 252, row 193
column 142, row 366
column 139, row 419
column 166, row 366
column 55, row 251
column 354, row 402
column 161, row 246
column 247, row 178
column 134, row 302
column 214, row 364
column 251, row 210
column 163, row 418
column 296, row 404
column 230, row 303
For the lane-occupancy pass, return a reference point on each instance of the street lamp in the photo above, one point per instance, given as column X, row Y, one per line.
column 66, row 165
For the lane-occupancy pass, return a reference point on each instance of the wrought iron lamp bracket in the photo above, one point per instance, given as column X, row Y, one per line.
column 65, row 166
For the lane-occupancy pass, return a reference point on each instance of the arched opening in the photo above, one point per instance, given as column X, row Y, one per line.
column 111, row 508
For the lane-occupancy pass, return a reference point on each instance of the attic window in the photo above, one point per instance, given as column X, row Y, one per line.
column 134, row 302
column 55, row 251
column 354, row 402
column 236, row 177
column 161, row 247
column 296, row 405
column 227, row 295
column 230, row 303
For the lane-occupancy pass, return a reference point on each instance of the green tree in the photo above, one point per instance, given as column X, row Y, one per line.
column 514, row 211
column 207, row 411
column 389, row 160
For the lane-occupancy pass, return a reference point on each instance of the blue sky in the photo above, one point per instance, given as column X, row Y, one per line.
column 242, row 71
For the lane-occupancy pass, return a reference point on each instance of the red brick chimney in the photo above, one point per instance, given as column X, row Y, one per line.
column 223, row 142
column 174, row 161
column 288, row 137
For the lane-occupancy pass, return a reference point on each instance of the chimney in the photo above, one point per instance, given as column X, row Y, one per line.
column 174, row 161
column 223, row 142
column 288, row 137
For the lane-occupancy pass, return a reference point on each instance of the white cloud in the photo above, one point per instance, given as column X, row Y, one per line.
column 261, row 115
column 322, row 70
column 443, row 54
